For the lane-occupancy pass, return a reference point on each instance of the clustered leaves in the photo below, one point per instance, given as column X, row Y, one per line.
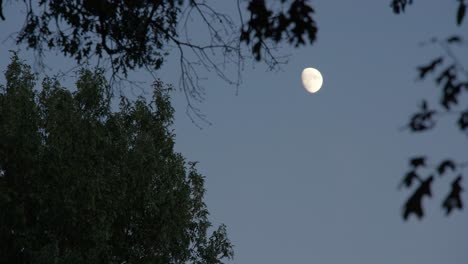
column 450, row 77
column 83, row 184
column 295, row 25
column 423, row 119
column 138, row 34
column 398, row 6
column 124, row 36
column 132, row 33
column 418, row 165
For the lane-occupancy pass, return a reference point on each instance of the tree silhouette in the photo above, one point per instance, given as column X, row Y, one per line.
column 80, row 183
column 139, row 34
column 451, row 77
column 129, row 35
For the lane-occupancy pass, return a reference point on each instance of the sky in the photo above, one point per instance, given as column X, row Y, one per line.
column 312, row 178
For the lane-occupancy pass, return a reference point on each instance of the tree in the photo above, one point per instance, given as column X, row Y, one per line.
column 80, row 183
column 452, row 78
column 138, row 34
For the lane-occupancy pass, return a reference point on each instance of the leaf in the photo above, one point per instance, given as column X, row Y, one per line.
column 454, row 39
column 245, row 36
column 446, row 75
column 450, row 95
column 413, row 204
column 424, row 105
column 446, row 164
column 453, row 199
column 1, row 11
column 424, row 70
column 418, row 162
column 461, row 12
column 399, row 6
column 463, row 120
column 256, row 50
column 422, row 120
column 408, row 179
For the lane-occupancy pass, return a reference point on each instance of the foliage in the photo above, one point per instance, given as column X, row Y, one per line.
column 296, row 24
column 128, row 35
column 139, row 34
column 451, row 78
column 80, row 183
column 399, row 6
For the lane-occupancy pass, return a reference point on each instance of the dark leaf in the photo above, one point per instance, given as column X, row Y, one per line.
column 418, row 162
column 413, row 204
column 447, row 75
column 463, row 120
column 422, row 120
column 424, row 105
column 409, row 178
column 461, row 12
column 454, row 39
column 423, row 70
column 245, row 36
column 453, row 199
column 399, row 6
column 1, row 10
column 446, row 164
column 256, row 50
column 450, row 95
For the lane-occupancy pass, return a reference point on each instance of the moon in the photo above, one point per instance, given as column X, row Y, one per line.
column 312, row 80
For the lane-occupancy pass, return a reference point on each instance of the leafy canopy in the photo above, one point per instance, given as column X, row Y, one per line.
column 139, row 33
column 451, row 79
column 123, row 36
column 80, row 183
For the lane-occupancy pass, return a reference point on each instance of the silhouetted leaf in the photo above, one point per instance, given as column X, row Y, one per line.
column 399, row 6
column 1, row 10
column 422, row 120
column 296, row 24
column 418, row 162
column 447, row 75
column 423, row 70
column 453, row 199
column 245, row 36
column 413, row 204
column 463, row 120
column 424, row 105
column 454, row 39
column 446, row 164
column 409, row 178
column 450, row 95
column 256, row 50
column 461, row 12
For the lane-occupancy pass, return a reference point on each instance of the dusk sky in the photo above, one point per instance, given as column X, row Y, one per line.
column 312, row 178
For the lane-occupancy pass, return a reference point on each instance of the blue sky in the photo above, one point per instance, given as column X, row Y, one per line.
column 312, row 178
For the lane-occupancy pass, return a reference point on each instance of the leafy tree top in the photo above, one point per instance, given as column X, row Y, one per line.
column 80, row 183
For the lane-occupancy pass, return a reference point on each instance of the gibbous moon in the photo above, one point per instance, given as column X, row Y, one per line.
column 311, row 79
